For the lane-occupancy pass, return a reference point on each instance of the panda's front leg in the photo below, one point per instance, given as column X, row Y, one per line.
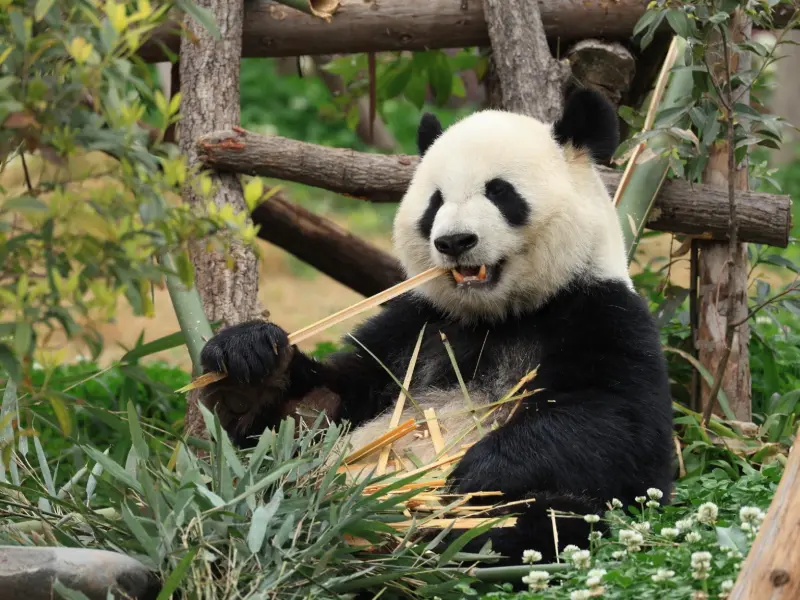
column 267, row 378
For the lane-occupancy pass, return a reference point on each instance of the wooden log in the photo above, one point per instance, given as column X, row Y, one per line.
column 273, row 30
column 681, row 207
column 531, row 80
column 772, row 567
column 327, row 247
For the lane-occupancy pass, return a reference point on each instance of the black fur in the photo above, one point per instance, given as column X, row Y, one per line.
column 429, row 129
column 425, row 224
column 589, row 122
column 512, row 206
column 599, row 429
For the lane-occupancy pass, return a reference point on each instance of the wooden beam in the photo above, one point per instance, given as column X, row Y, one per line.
column 681, row 207
column 772, row 567
column 272, row 30
column 327, row 247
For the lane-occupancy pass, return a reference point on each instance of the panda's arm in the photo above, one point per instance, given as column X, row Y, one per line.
column 269, row 380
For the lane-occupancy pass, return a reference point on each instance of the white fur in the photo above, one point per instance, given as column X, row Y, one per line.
column 573, row 225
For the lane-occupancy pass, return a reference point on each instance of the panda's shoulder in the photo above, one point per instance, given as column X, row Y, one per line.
column 605, row 307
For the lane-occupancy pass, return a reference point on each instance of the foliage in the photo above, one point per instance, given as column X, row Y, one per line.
column 88, row 211
column 692, row 548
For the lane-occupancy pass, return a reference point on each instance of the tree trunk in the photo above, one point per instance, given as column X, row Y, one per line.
column 327, row 247
column 273, row 30
column 681, row 207
column 531, row 80
column 772, row 567
column 209, row 75
column 723, row 271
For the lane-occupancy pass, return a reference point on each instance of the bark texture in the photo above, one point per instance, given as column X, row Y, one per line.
column 608, row 67
column 531, row 80
column 209, row 76
column 327, row 247
column 273, row 30
column 681, row 207
column 723, row 270
column 771, row 567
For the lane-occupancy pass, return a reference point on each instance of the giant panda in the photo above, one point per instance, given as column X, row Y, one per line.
column 536, row 278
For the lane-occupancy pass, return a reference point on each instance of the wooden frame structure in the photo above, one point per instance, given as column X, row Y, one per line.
column 262, row 28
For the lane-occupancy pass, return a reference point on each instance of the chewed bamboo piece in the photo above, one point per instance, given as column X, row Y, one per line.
column 334, row 319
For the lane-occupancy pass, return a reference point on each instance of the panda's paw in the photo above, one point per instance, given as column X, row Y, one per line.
column 482, row 469
column 248, row 352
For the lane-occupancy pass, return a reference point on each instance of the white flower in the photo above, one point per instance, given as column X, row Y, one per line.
column 725, row 588
column 591, row 518
column 655, row 493
column 652, row 504
column 536, row 580
column 531, row 556
column 640, row 499
column 644, row 526
column 595, row 536
column 662, row 575
column 580, row 595
column 594, row 577
column 669, row 532
column 581, row 559
column 693, row 537
column 701, row 564
column 684, row 524
column 632, row 540
column 619, row 554
column 707, row 513
column 615, row 504
column 751, row 518
column 569, row 550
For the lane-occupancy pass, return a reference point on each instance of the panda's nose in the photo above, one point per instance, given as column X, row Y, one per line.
column 455, row 244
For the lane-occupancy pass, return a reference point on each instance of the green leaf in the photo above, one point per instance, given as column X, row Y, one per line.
column 722, row 398
column 175, row 578
column 680, row 23
column 733, row 538
column 137, row 529
column 41, row 8
column 23, row 336
column 464, row 539
column 440, row 77
column 261, row 518
column 62, row 413
column 113, row 468
column 203, row 16
column 9, row 362
column 68, row 593
column 253, row 192
column 137, row 437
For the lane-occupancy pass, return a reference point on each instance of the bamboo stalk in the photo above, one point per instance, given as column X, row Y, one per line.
column 384, row 440
column 436, row 432
column 334, row 319
column 401, row 402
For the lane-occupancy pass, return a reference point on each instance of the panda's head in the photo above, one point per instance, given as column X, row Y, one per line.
column 513, row 208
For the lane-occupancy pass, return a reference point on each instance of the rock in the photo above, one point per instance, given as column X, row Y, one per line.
column 29, row 573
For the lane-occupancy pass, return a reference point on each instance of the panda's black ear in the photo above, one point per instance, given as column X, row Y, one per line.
column 429, row 129
column 589, row 122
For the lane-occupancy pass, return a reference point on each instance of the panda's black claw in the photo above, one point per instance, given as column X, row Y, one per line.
column 247, row 352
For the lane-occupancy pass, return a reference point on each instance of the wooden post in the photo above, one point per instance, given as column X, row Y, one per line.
column 531, row 80
column 772, row 568
column 723, row 270
column 209, row 79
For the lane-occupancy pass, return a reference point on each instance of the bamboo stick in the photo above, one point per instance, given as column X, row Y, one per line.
column 334, row 319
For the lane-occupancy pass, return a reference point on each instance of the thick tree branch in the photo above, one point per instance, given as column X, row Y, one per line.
column 272, row 30
column 681, row 207
column 531, row 80
column 327, row 247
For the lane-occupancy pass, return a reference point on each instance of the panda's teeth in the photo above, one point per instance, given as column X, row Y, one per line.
column 458, row 276
column 482, row 273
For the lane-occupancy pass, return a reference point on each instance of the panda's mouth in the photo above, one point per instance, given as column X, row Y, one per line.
column 471, row 276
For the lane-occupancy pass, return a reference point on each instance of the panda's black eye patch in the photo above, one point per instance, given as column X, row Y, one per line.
column 426, row 221
column 506, row 198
